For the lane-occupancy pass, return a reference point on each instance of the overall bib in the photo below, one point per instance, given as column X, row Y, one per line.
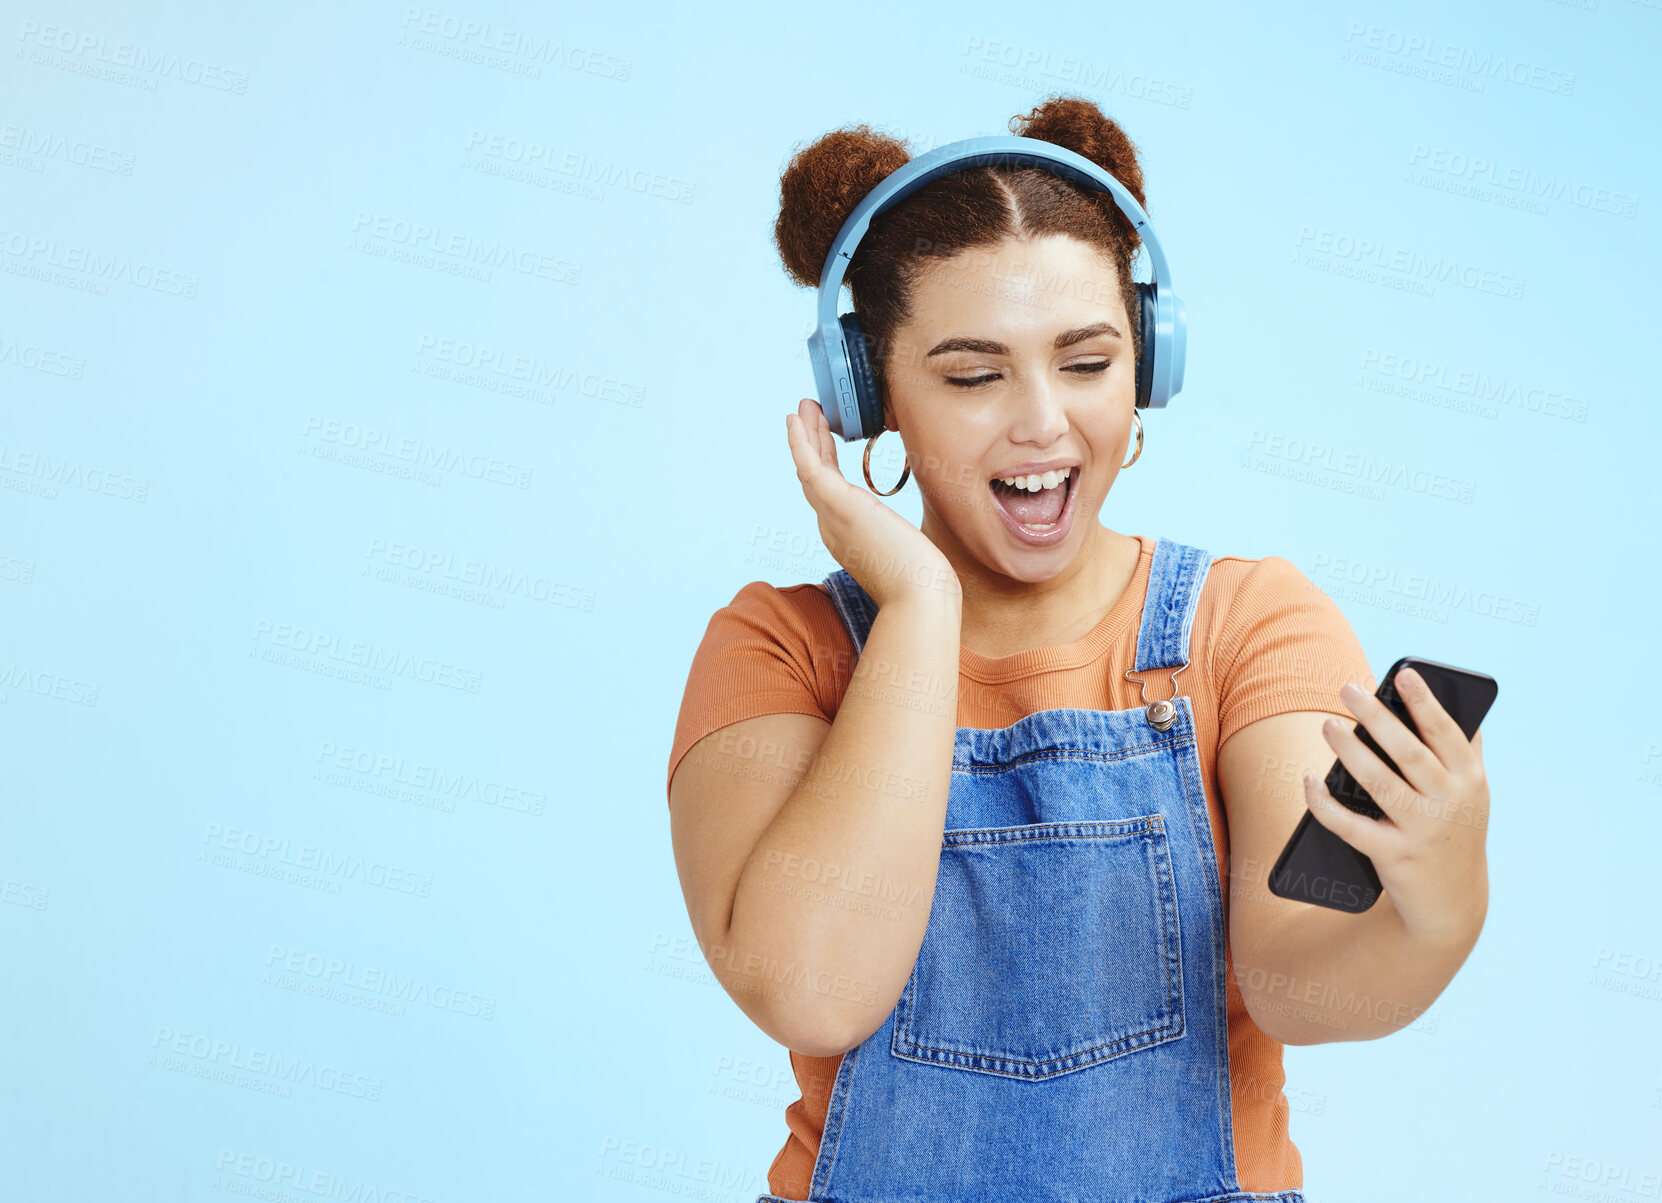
column 1064, row 1031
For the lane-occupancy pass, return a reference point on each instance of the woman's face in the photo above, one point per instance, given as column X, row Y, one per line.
column 1015, row 360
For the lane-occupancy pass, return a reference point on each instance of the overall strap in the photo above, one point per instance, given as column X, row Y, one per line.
column 1174, row 583
column 854, row 606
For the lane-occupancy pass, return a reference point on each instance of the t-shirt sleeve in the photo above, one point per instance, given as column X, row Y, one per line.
column 1284, row 645
column 765, row 652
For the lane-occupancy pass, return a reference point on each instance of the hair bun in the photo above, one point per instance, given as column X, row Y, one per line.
column 1080, row 126
column 821, row 186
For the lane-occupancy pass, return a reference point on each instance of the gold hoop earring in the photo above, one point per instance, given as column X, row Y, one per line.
column 866, row 467
column 1137, row 421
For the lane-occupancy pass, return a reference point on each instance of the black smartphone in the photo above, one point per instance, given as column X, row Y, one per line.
column 1316, row 865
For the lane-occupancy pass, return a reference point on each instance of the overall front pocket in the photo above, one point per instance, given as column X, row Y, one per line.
column 1050, row 947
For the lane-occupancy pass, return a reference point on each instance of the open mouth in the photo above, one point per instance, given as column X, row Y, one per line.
column 1038, row 512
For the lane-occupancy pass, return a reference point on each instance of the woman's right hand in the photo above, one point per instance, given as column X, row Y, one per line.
column 887, row 555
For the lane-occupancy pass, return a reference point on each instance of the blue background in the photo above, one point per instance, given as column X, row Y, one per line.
column 273, row 917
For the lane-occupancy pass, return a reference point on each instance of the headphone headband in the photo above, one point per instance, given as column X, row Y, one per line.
column 842, row 371
column 961, row 156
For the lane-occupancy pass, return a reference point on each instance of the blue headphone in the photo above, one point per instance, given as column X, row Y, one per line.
column 837, row 348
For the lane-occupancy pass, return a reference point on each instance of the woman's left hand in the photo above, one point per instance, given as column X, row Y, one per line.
column 1429, row 848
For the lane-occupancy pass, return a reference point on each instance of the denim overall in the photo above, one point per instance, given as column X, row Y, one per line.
column 1063, row 1033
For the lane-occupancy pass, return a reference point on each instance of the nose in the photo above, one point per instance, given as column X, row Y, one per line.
column 1039, row 415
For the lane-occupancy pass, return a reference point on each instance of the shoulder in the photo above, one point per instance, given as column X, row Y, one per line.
column 1248, row 600
column 1235, row 581
column 792, row 628
column 770, row 650
column 784, row 609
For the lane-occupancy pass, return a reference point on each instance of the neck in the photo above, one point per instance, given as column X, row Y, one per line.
column 1002, row 615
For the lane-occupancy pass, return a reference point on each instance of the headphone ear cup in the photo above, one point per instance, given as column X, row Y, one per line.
column 1145, row 362
column 866, row 395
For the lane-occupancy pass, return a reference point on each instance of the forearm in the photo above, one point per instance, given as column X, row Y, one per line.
column 1326, row 975
column 832, row 905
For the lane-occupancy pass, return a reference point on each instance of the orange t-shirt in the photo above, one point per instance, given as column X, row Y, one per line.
column 1265, row 640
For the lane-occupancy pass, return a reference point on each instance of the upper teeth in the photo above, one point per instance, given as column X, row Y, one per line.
column 1035, row 484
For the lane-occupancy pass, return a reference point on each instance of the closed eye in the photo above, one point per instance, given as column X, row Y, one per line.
column 1084, row 369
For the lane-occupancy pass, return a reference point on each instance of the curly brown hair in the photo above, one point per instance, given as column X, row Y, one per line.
column 976, row 207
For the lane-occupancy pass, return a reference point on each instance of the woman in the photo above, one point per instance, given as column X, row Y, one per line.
column 937, row 833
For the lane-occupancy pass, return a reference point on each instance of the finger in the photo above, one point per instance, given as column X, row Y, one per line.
column 1389, row 791
column 808, row 464
column 824, row 442
column 1371, row 837
column 795, row 437
column 1418, row 764
column 827, row 441
column 1438, row 730
column 823, row 482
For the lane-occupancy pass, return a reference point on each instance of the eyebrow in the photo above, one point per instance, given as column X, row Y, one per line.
column 987, row 346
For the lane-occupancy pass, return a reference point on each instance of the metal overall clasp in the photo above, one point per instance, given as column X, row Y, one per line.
column 1163, row 713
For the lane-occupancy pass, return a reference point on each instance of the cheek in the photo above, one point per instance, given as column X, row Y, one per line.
column 955, row 487
column 949, row 477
